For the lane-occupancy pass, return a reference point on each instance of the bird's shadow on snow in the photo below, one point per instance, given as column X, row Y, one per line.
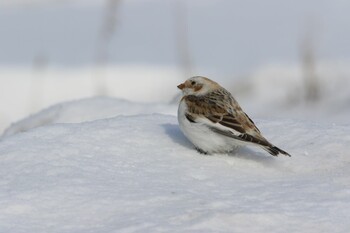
column 174, row 132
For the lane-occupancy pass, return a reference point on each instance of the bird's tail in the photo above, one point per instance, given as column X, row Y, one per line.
column 275, row 151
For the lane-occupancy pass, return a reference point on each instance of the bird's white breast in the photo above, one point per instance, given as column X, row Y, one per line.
column 202, row 136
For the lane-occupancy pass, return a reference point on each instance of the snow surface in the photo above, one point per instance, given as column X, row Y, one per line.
column 140, row 174
column 88, row 109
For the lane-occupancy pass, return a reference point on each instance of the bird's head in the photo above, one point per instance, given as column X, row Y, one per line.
column 197, row 86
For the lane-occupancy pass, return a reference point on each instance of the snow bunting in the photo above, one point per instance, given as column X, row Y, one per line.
column 214, row 122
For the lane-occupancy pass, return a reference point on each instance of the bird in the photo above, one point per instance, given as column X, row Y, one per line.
column 214, row 122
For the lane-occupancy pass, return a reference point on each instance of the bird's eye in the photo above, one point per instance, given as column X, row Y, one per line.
column 193, row 83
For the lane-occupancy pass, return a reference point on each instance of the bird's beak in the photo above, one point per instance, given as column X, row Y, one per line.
column 181, row 86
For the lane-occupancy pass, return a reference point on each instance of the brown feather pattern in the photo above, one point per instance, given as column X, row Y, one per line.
column 220, row 107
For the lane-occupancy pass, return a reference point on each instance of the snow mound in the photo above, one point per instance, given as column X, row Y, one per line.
column 140, row 174
column 86, row 110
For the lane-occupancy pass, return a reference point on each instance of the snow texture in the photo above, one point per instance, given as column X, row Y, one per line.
column 140, row 174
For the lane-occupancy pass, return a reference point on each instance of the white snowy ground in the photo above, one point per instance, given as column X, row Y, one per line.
column 139, row 174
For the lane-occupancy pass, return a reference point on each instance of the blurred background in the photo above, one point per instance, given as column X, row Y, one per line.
column 286, row 58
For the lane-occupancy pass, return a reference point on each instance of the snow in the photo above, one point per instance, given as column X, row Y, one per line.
column 88, row 109
column 138, row 173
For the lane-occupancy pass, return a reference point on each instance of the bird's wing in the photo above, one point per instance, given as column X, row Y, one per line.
column 222, row 114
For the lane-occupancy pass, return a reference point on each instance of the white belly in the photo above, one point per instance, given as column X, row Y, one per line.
column 203, row 137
